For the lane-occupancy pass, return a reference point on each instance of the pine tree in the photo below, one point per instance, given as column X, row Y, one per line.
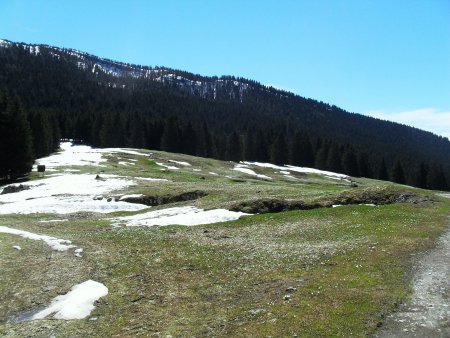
column 436, row 178
column 233, row 148
column 279, row 151
column 170, row 137
column 350, row 163
column 421, row 176
column 363, row 164
column 322, row 156
column 42, row 134
column 382, row 171
column 16, row 157
column 334, row 162
column 261, row 147
column 301, row 152
column 398, row 174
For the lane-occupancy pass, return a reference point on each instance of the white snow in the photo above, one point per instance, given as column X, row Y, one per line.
column 152, row 179
column 76, row 304
column 72, row 155
column 126, row 164
column 180, row 163
column 17, row 247
column 66, row 194
column 78, row 252
column 130, row 196
column 167, row 166
column 55, row 243
column 79, row 155
column 66, row 205
column 188, row 215
column 246, row 170
column 305, row 170
column 53, row 221
column 213, row 173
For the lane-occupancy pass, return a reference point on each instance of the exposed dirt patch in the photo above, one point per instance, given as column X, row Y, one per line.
column 165, row 199
column 427, row 314
column 377, row 197
column 14, row 188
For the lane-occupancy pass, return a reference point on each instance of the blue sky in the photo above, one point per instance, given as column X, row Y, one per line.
column 388, row 59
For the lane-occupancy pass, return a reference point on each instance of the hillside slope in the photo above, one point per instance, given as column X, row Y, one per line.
column 108, row 103
column 326, row 255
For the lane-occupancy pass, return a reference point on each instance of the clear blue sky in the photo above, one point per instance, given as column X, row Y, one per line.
column 385, row 58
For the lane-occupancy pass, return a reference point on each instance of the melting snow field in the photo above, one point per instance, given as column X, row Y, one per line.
column 79, row 155
column 65, row 194
column 76, row 304
column 181, row 215
column 55, row 243
column 305, row 170
column 243, row 168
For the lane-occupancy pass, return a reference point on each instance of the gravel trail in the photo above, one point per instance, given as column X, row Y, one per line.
column 427, row 314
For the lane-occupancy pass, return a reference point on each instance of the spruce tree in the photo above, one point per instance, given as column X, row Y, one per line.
column 16, row 153
column 421, row 176
column 279, row 151
column 436, row 178
column 382, row 171
column 233, row 148
column 350, row 163
column 170, row 137
column 322, row 156
column 397, row 173
column 363, row 164
column 334, row 160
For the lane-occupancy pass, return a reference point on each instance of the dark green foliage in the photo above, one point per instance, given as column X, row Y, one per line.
column 16, row 147
column 334, row 159
column 239, row 119
column 382, row 171
column 436, row 178
column 364, row 166
column 279, row 150
column 301, row 153
column 170, row 140
column 350, row 163
column 422, row 176
column 233, row 148
column 322, row 156
column 398, row 174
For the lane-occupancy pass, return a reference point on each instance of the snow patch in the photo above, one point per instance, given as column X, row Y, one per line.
column 55, row 243
column 17, row 247
column 167, row 166
column 151, row 179
column 81, row 155
column 78, row 252
column 305, row 170
column 130, row 196
column 188, row 215
column 66, row 194
column 126, row 164
column 54, row 220
column 180, row 163
column 248, row 171
column 76, row 304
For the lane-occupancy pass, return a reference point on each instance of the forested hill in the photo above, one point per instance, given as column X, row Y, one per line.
column 48, row 92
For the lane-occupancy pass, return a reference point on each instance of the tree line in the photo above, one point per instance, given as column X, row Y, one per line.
column 58, row 99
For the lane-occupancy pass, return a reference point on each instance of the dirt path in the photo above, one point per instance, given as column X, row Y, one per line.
column 427, row 314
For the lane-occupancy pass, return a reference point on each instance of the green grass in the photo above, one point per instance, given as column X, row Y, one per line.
column 348, row 266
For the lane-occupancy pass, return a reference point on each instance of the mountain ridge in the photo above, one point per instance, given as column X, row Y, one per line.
column 86, row 91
